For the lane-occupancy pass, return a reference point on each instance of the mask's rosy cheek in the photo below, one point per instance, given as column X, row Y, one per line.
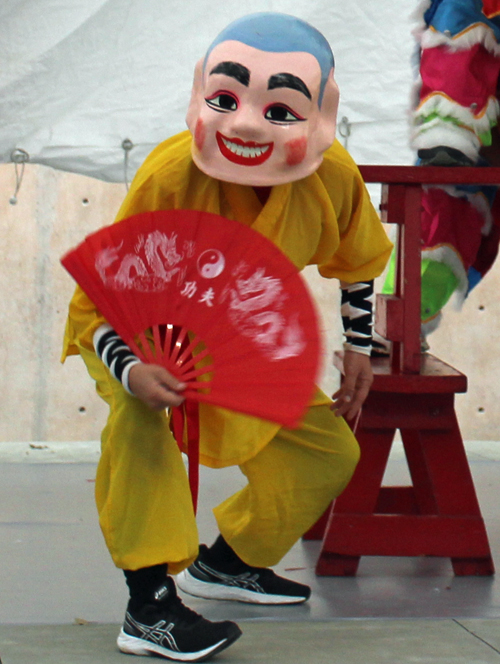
column 199, row 134
column 296, row 151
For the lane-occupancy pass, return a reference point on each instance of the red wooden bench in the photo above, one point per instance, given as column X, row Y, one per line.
column 438, row 515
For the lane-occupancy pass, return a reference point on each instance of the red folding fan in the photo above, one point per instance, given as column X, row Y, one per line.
column 213, row 301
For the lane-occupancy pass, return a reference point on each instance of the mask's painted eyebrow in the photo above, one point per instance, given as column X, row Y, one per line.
column 288, row 81
column 233, row 69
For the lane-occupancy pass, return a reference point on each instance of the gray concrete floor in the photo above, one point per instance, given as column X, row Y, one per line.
column 62, row 600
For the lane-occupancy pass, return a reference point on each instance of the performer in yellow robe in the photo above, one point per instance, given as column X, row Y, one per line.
column 311, row 203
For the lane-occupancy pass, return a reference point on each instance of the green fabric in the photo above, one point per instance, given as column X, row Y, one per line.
column 390, row 280
column 485, row 137
column 438, row 284
column 435, row 115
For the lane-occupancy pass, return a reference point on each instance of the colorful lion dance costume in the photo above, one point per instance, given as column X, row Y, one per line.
column 454, row 124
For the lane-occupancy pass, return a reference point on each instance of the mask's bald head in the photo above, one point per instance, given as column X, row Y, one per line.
column 280, row 33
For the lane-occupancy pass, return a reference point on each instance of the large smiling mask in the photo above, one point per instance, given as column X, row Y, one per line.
column 264, row 103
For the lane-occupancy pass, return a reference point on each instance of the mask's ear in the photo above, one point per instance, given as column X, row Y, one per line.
column 193, row 111
column 328, row 112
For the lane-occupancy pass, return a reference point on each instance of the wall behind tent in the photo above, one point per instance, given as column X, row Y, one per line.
column 42, row 400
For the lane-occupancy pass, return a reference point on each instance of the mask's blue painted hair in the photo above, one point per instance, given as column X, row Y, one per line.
column 280, row 33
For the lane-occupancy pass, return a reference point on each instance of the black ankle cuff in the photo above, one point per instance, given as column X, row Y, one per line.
column 222, row 555
column 143, row 583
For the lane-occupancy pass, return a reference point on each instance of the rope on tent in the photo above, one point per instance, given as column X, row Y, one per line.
column 19, row 158
column 127, row 146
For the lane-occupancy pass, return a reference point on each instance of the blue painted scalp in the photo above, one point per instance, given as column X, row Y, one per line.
column 280, row 33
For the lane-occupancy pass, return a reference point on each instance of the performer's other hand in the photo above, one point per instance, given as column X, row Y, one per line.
column 358, row 377
column 155, row 386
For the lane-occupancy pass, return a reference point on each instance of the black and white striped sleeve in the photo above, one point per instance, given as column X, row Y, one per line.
column 357, row 316
column 115, row 354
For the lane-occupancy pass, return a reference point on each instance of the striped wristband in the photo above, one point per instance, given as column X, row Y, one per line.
column 357, row 316
column 115, row 354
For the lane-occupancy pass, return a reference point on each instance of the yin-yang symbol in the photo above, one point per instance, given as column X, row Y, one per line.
column 211, row 263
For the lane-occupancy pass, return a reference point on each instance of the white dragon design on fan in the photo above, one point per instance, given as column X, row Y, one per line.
column 149, row 272
column 254, row 299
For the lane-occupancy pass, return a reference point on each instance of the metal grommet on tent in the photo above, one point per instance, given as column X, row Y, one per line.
column 19, row 158
column 127, row 146
column 345, row 130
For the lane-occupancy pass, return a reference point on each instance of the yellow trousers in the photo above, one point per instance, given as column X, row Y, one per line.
column 143, row 497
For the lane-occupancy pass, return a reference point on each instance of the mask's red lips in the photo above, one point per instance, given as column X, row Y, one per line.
column 244, row 153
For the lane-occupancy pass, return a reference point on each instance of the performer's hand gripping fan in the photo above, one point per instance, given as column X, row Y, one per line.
column 248, row 338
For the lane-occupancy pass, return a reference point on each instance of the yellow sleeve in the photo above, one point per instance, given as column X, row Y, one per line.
column 83, row 320
column 364, row 247
column 154, row 187
column 161, row 181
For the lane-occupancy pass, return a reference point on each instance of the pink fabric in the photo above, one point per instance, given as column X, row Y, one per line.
column 488, row 249
column 467, row 77
column 451, row 221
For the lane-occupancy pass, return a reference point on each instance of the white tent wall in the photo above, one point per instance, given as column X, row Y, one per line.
column 76, row 79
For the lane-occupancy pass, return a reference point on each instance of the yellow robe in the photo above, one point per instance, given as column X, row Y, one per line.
column 326, row 219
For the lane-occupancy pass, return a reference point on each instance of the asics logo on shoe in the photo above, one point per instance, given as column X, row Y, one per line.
column 246, row 580
column 161, row 593
column 159, row 633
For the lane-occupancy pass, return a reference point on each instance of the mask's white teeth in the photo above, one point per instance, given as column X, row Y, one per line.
column 242, row 151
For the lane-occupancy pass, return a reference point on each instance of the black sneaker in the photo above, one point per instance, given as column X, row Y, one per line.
column 256, row 585
column 167, row 628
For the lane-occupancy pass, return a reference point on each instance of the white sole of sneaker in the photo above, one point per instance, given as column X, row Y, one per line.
column 132, row 645
column 193, row 586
